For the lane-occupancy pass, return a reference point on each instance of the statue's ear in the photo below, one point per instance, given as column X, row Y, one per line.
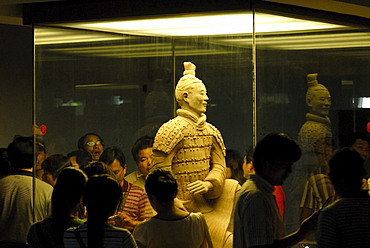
column 185, row 96
column 309, row 102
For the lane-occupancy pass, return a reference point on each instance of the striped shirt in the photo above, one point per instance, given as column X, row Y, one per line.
column 16, row 208
column 135, row 202
column 257, row 220
column 136, row 178
column 345, row 224
column 114, row 237
column 318, row 188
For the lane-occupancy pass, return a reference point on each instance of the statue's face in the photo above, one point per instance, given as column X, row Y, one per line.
column 320, row 103
column 196, row 99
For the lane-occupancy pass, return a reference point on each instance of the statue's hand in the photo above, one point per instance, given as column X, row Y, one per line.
column 199, row 187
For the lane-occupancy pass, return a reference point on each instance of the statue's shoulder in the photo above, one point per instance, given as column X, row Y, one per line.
column 169, row 135
column 217, row 134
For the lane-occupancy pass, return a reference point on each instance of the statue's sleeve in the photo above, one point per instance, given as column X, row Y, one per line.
column 217, row 173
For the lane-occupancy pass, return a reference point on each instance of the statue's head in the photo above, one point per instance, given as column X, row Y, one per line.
column 190, row 92
column 318, row 97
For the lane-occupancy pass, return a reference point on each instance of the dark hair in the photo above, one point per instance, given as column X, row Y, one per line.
column 141, row 144
column 101, row 196
column 275, row 146
column 234, row 161
column 162, row 184
column 66, row 197
column 351, row 138
column 40, row 146
column 81, row 141
column 73, row 153
column 20, row 152
column 54, row 164
column 249, row 154
column 96, row 168
column 112, row 153
column 346, row 170
column 83, row 158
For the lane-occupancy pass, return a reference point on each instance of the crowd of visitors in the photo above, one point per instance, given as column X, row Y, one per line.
column 85, row 198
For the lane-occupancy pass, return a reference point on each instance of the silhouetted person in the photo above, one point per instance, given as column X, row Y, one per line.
column 19, row 208
column 66, row 199
column 345, row 223
column 52, row 166
column 257, row 219
column 101, row 197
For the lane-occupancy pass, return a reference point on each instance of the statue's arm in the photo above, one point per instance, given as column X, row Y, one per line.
column 217, row 173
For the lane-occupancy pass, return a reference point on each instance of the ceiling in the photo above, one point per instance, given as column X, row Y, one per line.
column 11, row 10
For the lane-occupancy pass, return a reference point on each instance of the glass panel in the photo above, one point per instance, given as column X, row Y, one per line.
column 115, row 85
column 120, row 83
column 118, row 79
column 340, row 56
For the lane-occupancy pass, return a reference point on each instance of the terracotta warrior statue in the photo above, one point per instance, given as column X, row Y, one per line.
column 194, row 150
column 315, row 134
column 315, row 139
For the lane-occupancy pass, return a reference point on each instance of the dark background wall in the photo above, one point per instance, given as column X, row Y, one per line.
column 16, row 49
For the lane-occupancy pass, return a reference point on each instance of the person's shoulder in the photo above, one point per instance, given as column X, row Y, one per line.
column 43, row 186
column 137, row 189
column 132, row 177
column 250, row 191
column 196, row 216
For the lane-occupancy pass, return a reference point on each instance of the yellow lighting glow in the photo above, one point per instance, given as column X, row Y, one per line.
column 220, row 24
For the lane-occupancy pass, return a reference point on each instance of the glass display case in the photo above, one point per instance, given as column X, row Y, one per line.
column 117, row 77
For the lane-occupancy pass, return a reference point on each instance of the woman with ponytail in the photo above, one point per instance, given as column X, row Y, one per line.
column 65, row 200
column 101, row 197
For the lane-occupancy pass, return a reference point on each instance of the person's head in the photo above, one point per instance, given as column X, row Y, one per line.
column 68, row 191
column 234, row 164
column 142, row 152
column 66, row 198
column 318, row 97
column 96, row 168
column 40, row 157
column 101, row 196
column 190, row 92
column 248, row 167
column 20, row 153
column 52, row 166
column 161, row 186
column 274, row 156
column 323, row 148
column 83, row 158
column 72, row 157
column 346, row 171
column 114, row 158
column 92, row 143
column 359, row 142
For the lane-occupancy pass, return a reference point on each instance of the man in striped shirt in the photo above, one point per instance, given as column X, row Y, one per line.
column 135, row 206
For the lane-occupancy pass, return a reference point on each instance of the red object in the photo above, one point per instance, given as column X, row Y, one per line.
column 368, row 127
column 280, row 200
column 43, row 129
